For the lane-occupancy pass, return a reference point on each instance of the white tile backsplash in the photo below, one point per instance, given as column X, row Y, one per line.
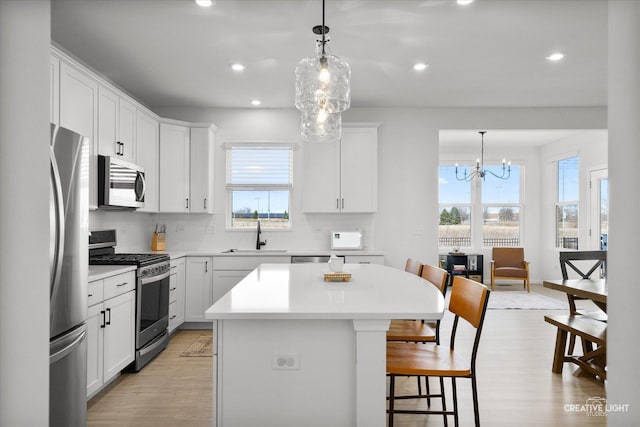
column 201, row 232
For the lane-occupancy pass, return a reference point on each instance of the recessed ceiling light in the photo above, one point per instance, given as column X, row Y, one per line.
column 555, row 56
column 420, row 66
column 464, row 2
column 204, row 3
column 237, row 67
column 255, row 102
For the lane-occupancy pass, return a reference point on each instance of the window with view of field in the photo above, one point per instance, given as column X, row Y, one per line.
column 485, row 210
column 259, row 181
column 567, row 203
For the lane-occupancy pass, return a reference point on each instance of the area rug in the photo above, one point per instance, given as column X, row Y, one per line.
column 201, row 347
column 524, row 301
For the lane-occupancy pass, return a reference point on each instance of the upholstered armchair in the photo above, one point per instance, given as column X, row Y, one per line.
column 509, row 263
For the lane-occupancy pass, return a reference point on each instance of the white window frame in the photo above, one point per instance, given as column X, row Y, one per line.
column 558, row 203
column 477, row 207
column 229, row 188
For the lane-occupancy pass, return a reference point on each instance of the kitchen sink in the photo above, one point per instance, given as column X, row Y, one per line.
column 255, row 251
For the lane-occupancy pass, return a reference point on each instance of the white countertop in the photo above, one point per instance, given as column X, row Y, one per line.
column 298, row 291
column 99, row 272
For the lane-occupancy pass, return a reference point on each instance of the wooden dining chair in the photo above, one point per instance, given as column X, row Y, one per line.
column 413, row 266
column 468, row 301
column 419, row 330
column 586, row 264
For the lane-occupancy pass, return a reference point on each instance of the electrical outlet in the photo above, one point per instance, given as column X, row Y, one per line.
column 211, row 229
column 179, row 228
column 285, row 361
column 419, row 231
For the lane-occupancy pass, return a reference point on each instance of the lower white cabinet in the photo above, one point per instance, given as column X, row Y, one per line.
column 224, row 280
column 199, row 274
column 176, row 293
column 110, row 329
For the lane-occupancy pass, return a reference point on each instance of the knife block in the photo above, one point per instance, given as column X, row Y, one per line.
column 158, row 241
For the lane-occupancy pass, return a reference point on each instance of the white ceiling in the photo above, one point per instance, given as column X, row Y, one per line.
column 489, row 54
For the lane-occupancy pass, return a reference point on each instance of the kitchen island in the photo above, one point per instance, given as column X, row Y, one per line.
column 291, row 349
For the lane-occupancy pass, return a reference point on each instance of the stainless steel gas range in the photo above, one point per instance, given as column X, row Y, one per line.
column 152, row 292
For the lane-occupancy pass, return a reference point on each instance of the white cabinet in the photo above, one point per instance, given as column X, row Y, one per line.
column 79, row 112
column 148, row 156
column 198, row 288
column 116, row 125
column 176, row 293
column 110, row 328
column 342, row 176
column 54, row 90
column 364, row 259
column 201, row 170
column 95, row 342
column 186, row 168
column 119, row 333
column 224, row 280
column 228, row 271
column 174, row 168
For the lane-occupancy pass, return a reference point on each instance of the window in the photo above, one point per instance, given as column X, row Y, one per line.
column 501, row 209
column 567, row 204
column 259, row 184
column 480, row 213
column 455, row 209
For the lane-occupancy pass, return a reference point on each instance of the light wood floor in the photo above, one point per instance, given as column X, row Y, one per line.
column 516, row 385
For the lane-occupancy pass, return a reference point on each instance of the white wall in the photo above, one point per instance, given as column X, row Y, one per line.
column 24, row 212
column 624, row 152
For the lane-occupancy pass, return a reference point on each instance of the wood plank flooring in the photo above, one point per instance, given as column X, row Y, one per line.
column 515, row 382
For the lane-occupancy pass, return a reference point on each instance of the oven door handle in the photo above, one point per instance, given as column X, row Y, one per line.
column 146, row 280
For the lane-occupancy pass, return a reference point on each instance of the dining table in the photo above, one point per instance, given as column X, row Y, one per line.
column 595, row 290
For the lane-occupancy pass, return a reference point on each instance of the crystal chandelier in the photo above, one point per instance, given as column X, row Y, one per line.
column 322, row 91
column 480, row 171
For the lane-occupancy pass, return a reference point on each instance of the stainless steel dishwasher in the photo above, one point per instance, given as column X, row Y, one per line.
column 311, row 259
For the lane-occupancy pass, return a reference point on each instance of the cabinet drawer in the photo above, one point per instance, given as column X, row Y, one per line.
column 116, row 285
column 95, row 292
column 247, row 262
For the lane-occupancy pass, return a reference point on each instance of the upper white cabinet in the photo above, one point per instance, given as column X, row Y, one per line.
column 342, row 176
column 201, row 170
column 148, row 156
column 79, row 113
column 116, row 125
column 186, row 168
column 174, row 168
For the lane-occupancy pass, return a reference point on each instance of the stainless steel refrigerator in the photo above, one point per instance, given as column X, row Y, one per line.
column 69, row 221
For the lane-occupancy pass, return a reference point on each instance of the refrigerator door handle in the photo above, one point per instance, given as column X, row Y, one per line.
column 68, row 349
column 59, row 224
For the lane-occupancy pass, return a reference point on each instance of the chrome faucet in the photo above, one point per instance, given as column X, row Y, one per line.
column 259, row 244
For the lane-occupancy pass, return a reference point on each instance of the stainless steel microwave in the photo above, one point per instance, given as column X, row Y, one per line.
column 120, row 184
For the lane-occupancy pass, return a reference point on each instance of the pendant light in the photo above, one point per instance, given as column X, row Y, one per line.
column 323, row 90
